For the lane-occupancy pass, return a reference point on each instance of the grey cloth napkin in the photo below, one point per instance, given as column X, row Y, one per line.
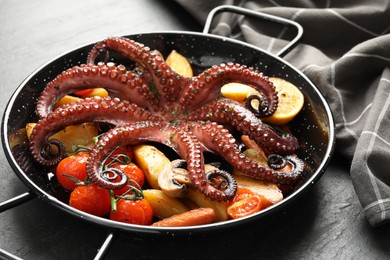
column 345, row 52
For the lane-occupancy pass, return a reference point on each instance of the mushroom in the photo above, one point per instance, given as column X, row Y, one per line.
column 173, row 179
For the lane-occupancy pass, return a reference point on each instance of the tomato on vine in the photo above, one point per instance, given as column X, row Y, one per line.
column 122, row 155
column 72, row 170
column 137, row 211
column 126, row 204
column 134, row 173
column 91, row 198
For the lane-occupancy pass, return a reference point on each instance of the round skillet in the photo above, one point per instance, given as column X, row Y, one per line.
column 313, row 126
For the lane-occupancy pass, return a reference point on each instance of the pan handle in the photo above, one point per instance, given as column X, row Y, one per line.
column 16, row 201
column 103, row 249
column 244, row 11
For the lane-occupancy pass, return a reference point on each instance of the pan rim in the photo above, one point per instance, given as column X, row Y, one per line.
column 166, row 230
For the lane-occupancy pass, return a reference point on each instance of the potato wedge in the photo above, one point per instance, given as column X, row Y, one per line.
column 268, row 190
column 65, row 100
column 163, row 205
column 151, row 161
column 72, row 135
column 179, row 64
column 202, row 201
column 18, row 137
column 101, row 92
column 29, row 129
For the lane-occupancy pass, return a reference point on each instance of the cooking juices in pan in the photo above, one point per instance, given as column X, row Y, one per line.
column 312, row 126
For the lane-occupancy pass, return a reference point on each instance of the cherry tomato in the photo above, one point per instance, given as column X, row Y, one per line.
column 245, row 203
column 91, row 198
column 71, row 169
column 83, row 92
column 242, row 193
column 119, row 153
column 133, row 212
column 134, row 173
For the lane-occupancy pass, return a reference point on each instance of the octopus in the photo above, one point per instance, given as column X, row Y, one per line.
column 152, row 103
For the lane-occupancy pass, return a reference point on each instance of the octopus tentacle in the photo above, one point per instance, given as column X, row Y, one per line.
column 229, row 112
column 135, row 133
column 96, row 109
column 115, row 79
column 187, row 114
column 53, row 149
column 218, row 139
column 262, row 105
column 207, row 86
column 163, row 81
column 191, row 150
column 187, row 146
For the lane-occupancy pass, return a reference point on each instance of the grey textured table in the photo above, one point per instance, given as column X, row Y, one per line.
column 327, row 223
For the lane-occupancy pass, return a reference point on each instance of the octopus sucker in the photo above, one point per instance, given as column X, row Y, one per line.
column 227, row 147
column 80, row 112
column 134, row 133
column 79, row 77
column 154, row 103
column 189, row 148
column 157, row 69
column 211, row 81
column 229, row 112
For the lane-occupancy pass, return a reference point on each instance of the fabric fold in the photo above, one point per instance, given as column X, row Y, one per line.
column 345, row 52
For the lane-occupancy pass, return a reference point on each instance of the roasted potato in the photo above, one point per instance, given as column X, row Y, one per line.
column 72, row 135
column 202, row 201
column 65, row 100
column 163, row 205
column 179, row 64
column 268, row 190
column 151, row 161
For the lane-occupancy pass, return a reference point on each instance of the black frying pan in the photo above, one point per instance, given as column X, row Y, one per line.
column 313, row 126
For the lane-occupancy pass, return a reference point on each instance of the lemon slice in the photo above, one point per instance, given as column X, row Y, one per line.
column 237, row 91
column 179, row 64
column 291, row 101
